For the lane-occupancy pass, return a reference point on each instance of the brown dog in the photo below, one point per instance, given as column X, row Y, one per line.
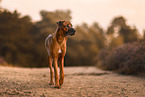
column 56, row 47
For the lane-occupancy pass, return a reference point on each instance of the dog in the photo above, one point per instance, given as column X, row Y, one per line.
column 55, row 45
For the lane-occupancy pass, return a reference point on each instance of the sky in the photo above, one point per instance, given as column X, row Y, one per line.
column 84, row 11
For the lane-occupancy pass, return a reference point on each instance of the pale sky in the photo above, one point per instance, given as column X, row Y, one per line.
column 89, row 11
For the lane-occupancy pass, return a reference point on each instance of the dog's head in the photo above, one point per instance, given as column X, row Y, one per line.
column 67, row 28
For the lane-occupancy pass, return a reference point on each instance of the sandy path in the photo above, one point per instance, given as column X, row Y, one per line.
column 79, row 82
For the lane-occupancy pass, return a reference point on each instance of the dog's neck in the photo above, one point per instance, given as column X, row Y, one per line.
column 60, row 36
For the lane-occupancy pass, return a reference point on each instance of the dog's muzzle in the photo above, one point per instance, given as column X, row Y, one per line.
column 71, row 31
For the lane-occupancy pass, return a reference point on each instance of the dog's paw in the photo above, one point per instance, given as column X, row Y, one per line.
column 51, row 83
column 61, row 82
column 58, row 87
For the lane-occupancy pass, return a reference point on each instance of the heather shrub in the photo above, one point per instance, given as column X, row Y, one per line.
column 3, row 62
column 103, row 59
column 125, row 59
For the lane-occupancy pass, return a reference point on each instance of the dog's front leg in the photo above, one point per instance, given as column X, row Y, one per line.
column 61, row 66
column 56, row 74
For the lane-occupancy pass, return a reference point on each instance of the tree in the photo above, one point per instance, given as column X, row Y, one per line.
column 48, row 23
column 84, row 47
column 119, row 30
column 144, row 35
column 14, row 38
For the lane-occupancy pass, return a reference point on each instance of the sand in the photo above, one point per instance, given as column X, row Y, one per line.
column 79, row 82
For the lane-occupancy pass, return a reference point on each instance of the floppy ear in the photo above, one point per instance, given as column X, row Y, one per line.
column 59, row 23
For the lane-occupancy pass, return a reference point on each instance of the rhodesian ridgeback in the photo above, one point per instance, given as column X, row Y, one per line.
column 56, row 47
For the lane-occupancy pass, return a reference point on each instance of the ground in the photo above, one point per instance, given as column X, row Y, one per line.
column 79, row 82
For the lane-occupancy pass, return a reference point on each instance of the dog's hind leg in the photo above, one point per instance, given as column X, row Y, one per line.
column 61, row 66
column 51, row 70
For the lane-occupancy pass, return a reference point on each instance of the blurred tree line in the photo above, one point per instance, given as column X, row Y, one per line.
column 22, row 41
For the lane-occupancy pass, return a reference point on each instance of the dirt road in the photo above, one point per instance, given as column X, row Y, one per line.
column 79, row 82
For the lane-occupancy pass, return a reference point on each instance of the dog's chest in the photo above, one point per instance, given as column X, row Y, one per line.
column 61, row 48
column 59, row 51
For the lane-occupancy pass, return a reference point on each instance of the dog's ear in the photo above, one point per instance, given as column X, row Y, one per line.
column 70, row 23
column 59, row 23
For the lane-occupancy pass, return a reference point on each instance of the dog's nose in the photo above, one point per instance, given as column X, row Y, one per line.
column 73, row 30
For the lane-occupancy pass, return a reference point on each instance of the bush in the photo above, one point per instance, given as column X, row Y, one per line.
column 125, row 59
column 3, row 62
